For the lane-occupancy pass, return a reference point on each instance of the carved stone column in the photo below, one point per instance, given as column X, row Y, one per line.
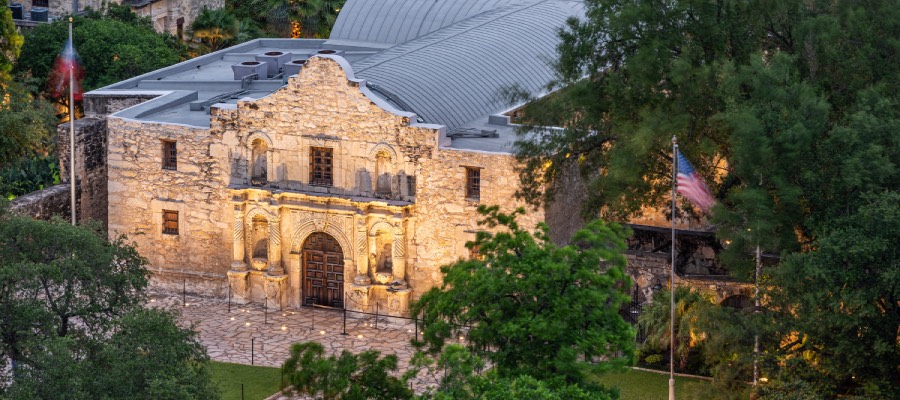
column 399, row 263
column 274, row 249
column 238, row 261
column 362, row 258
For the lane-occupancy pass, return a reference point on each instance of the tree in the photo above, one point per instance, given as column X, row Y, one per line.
column 219, row 28
column 655, row 320
column 289, row 18
column 110, row 50
column 72, row 320
column 27, row 125
column 10, row 43
column 851, row 344
column 530, row 307
column 347, row 377
column 789, row 107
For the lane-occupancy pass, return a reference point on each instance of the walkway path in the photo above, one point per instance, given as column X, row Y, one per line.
column 229, row 336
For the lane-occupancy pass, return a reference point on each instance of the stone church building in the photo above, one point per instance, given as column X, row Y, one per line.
column 342, row 172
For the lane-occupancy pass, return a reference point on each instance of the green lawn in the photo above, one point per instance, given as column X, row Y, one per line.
column 259, row 382
column 641, row 385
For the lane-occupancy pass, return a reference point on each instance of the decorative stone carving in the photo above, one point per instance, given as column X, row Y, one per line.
column 237, row 283
column 238, row 263
column 275, row 267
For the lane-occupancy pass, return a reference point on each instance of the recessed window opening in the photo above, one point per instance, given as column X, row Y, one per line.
column 321, row 163
column 170, row 222
column 169, row 155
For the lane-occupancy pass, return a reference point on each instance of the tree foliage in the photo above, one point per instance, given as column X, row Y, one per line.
column 851, row 344
column 656, row 316
column 10, row 44
column 111, row 50
column 289, row 18
column 531, row 307
column 27, row 125
column 220, row 28
column 345, row 377
column 72, row 320
column 790, row 110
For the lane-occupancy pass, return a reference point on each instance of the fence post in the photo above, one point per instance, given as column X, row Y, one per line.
column 252, row 342
column 345, row 316
column 242, row 391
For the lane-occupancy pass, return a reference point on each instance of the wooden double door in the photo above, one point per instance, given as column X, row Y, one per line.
column 323, row 271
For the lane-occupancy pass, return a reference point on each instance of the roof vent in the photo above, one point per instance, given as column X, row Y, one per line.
column 249, row 68
column 293, row 67
column 330, row 52
column 275, row 60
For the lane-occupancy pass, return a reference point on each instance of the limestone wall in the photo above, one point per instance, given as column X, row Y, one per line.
column 90, row 166
column 45, row 204
column 446, row 220
column 139, row 191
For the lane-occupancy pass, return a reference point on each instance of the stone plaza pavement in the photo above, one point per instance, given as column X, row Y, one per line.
column 228, row 336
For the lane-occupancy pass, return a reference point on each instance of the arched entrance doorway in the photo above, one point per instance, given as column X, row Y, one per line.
column 323, row 271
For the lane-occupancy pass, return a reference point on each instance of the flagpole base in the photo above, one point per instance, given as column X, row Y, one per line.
column 671, row 389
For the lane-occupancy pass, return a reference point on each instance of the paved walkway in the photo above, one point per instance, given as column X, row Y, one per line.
column 248, row 334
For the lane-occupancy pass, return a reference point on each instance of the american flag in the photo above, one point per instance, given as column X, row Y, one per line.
column 691, row 185
column 66, row 63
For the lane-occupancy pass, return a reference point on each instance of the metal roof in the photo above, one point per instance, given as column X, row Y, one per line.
column 455, row 75
column 399, row 21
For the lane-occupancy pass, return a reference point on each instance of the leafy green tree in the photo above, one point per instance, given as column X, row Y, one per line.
column 219, row 28
column 110, row 50
column 346, row 377
column 656, row 316
column 788, row 108
column 72, row 320
column 531, row 307
column 148, row 356
column 28, row 175
column 10, row 43
column 851, row 345
column 27, row 125
column 291, row 18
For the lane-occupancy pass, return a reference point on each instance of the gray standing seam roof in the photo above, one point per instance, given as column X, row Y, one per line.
column 455, row 75
column 399, row 21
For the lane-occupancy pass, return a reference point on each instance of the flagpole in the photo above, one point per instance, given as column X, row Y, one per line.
column 672, row 275
column 72, row 127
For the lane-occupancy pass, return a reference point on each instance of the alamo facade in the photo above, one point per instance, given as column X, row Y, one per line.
column 339, row 173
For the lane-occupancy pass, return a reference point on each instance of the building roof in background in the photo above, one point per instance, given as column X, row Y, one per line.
column 399, row 21
column 451, row 70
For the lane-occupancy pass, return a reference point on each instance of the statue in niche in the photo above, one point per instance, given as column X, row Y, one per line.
column 385, row 260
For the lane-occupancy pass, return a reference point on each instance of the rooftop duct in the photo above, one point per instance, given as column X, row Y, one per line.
column 293, row 67
column 274, row 60
column 249, row 68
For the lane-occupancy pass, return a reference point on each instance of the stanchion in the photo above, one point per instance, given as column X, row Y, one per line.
column 376, row 315
column 266, row 310
column 184, row 292
column 416, row 322
column 345, row 316
column 229, row 297
column 252, row 342
column 242, row 391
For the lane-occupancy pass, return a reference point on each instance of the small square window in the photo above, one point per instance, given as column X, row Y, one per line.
column 169, row 155
column 473, row 183
column 320, row 166
column 170, row 222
